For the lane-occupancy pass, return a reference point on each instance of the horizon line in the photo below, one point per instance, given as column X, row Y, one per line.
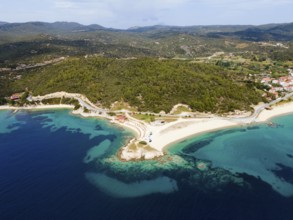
column 138, row 26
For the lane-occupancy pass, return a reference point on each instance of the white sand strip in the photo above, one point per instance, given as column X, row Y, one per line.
column 161, row 136
column 277, row 110
column 185, row 128
column 59, row 106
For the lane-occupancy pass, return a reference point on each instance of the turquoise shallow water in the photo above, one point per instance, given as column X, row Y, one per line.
column 55, row 165
column 262, row 151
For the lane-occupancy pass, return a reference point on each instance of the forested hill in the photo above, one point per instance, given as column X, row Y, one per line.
column 147, row 83
column 39, row 41
column 69, row 29
column 282, row 32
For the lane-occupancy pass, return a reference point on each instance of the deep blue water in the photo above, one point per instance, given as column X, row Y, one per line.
column 46, row 173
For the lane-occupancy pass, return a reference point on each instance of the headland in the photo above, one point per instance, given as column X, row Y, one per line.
column 151, row 138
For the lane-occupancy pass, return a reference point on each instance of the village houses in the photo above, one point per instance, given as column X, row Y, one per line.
column 282, row 84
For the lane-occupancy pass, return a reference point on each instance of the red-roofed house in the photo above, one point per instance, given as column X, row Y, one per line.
column 15, row 96
column 121, row 118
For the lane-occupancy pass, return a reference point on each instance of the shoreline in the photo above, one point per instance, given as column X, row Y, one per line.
column 264, row 116
column 160, row 137
column 37, row 107
column 277, row 110
column 187, row 128
column 202, row 133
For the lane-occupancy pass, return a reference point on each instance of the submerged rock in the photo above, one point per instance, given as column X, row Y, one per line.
column 97, row 151
column 117, row 188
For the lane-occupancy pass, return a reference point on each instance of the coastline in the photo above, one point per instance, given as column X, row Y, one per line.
column 194, row 131
column 36, row 107
column 277, row 110
column 214, row 124
column 159, row 137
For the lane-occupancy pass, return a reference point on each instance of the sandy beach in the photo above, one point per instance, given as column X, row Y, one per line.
column 159, row 136
column 32, row 107
column 184, row 128
column 277, row 110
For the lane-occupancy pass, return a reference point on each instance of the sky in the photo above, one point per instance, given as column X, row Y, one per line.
column 129, row 13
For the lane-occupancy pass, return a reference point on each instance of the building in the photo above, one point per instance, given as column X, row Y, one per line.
column 266, row 80
column 15, row 96
column 121, row 118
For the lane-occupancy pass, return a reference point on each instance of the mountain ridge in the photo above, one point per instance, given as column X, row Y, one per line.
column 66, row 24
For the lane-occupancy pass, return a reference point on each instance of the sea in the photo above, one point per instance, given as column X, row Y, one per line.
column 56, row 165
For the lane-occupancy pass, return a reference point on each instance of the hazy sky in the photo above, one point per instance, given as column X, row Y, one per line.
column 128, row 13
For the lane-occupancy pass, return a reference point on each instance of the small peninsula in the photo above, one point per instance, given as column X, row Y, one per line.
column 146, row 110
column 152, row 137
column 164, row 84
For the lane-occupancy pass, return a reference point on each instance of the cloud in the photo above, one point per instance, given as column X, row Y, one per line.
column 87, row 11
column 245, row 4
column 124, row 13
column 121, row 5
column 64, row 4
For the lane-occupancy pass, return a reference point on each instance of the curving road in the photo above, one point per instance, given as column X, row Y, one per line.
column 85, row 102
column 259, row 109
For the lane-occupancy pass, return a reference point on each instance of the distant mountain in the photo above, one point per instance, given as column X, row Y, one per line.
column 149, row 28
column 70, row 38
column 246, row 32
column 2, row 23
column 276, row 32
column 199, row 29
column 283, row 28
column 49, row 28
column 96, row 27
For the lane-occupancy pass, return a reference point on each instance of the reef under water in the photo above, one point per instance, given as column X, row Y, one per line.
column 66, row 166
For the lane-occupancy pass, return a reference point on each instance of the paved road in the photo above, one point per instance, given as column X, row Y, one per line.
column 92, row 107
column 258, row 110
column 251, row 118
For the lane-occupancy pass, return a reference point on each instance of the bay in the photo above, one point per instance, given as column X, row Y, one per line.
column 55, row 165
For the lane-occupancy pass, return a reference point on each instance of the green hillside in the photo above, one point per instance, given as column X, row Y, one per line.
column 150, row 84
column 39, row 41
column 141, row 65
